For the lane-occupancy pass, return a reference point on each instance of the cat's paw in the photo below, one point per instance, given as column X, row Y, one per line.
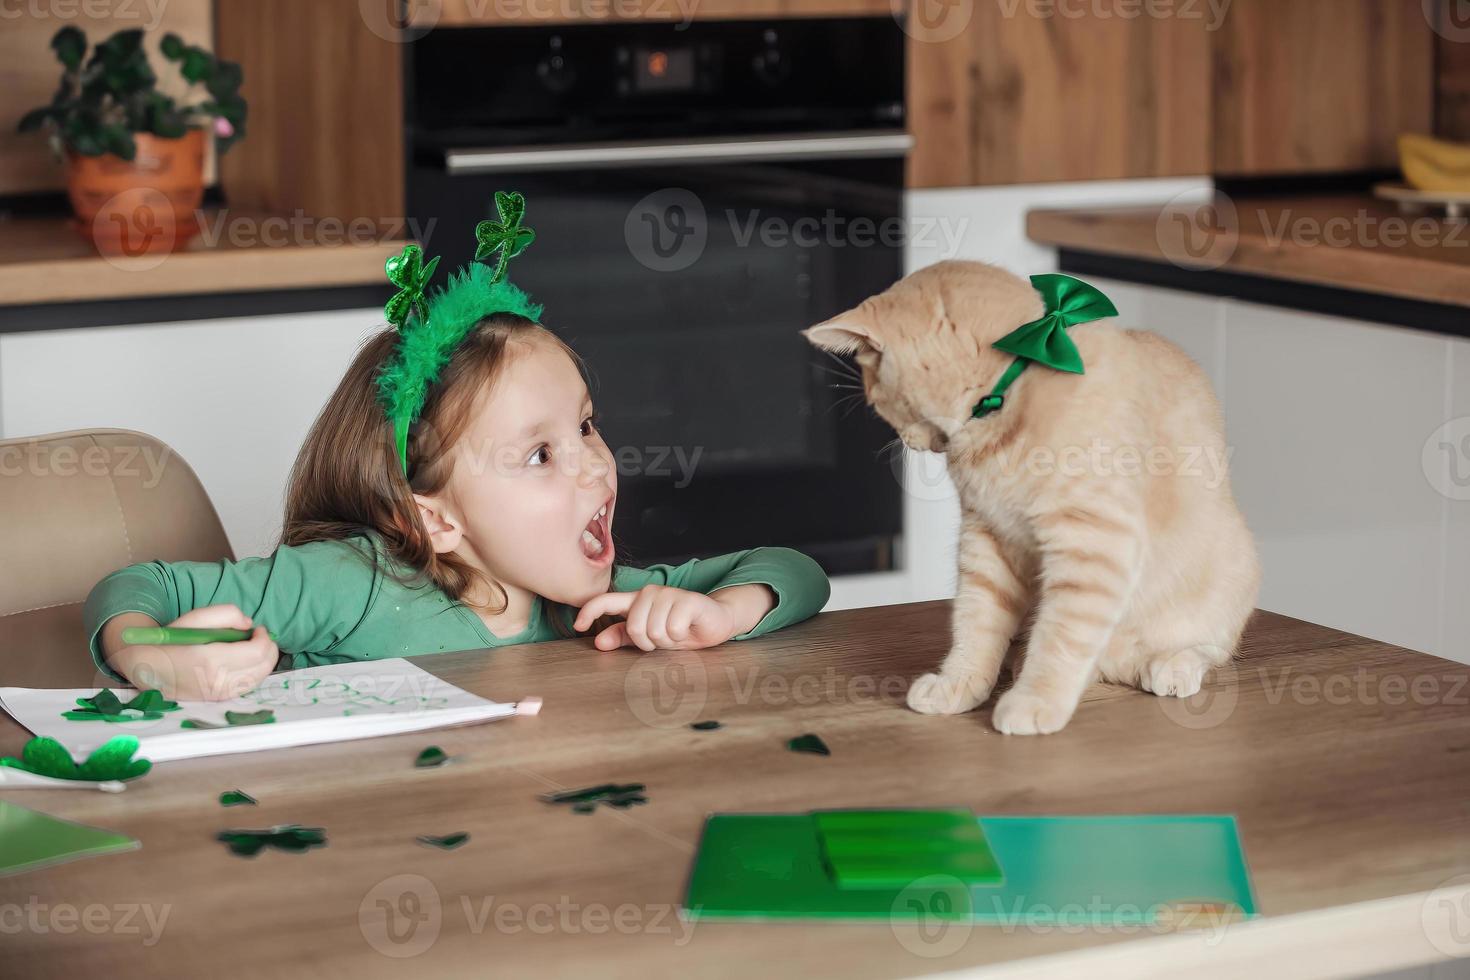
column 1021, row 713
column 1179, row 676
column 940, row 694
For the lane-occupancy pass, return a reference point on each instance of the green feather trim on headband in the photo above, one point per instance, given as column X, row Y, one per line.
column 426, row 344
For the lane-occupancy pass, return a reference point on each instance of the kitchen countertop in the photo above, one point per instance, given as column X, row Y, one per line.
column 45, row 261
column 1346, row 242
column 1344, row 760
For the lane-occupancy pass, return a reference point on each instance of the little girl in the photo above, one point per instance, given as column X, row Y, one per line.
column 489, row 526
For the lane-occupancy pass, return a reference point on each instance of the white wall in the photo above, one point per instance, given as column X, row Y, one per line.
column 234, row 397
column 988, row 224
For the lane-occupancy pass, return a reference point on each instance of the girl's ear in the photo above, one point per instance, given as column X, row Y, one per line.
column 444, row 531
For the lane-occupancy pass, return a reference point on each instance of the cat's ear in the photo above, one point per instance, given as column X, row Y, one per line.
column 846, row 333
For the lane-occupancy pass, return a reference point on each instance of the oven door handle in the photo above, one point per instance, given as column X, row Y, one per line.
column 754, row 149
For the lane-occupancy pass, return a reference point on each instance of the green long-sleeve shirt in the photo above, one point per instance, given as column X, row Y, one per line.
column 332, row 601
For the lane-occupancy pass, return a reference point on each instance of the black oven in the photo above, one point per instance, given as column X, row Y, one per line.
column 699, row 194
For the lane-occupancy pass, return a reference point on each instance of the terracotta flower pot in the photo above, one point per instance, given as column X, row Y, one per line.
column 143, row 206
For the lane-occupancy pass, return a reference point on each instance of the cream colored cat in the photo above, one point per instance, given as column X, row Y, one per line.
column 1096, row 507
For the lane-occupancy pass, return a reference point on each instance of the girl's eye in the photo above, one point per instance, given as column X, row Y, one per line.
column 589, row 425
column 540, row 457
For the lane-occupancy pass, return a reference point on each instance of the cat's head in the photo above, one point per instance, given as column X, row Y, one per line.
column 924, row 345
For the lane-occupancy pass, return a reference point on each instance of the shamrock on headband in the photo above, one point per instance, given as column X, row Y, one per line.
column 506, row 235
column 407, row 271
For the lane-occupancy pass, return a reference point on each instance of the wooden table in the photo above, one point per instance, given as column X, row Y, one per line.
column 1346, row 760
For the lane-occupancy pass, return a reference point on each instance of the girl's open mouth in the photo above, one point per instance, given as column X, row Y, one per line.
column 597, row 544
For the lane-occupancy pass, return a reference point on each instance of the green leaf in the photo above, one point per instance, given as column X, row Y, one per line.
column 48, row 757
column 446, row 843
column 809, row 743
column 198, row 65
column 151, row 700
column 225, row 81
column 33, row 120
column 236, row 797
column 70, row 44
column 171, row 47
column 104, row 702
column 120, row 142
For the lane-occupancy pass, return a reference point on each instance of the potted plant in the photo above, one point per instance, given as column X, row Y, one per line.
column 134, row 156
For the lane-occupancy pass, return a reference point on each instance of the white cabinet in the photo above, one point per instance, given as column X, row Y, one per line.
column 233, row 396
column 1350, row 457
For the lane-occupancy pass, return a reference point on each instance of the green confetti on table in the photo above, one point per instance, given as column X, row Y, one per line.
column 147, row 705
column 809, row 743
column 112, row 760
column 290, row 837
column 236, row 797
column 446, row 843
column 430, row 757
column 706, row 726
column 620, row 796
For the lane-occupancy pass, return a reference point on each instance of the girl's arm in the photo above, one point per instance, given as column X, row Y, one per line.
column 797, row 584
column 309, row 596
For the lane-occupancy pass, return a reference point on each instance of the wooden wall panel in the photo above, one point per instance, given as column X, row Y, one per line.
column 29, row 72
column 1019, row 98
column 326, row 110
column 1320, row 85
column 1452, row 88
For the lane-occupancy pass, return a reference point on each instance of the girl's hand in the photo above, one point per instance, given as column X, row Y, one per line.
column 203, row 672
column 659, row 617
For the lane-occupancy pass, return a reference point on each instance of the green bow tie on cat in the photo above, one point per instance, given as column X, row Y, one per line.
column 1045, row 341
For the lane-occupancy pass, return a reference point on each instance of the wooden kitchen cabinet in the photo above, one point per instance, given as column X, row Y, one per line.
column 1017, row 98
column 1310, row 86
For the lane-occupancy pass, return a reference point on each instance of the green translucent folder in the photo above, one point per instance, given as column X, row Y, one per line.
column 29, row 840
column 1106, row 870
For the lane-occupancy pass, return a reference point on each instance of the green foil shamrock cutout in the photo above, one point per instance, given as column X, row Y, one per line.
column 446, row 843
column 506, row 236
column 619, row 796
column 430, row 758
column 105, row 706
column 706, row 726
column 264, row 716
column 407, row 271
column 285, row 837
column 809, row 743
column 236, row 797
column 112, row 760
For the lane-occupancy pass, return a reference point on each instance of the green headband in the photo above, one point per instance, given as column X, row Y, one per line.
column 1068, row 301
column 430, row 328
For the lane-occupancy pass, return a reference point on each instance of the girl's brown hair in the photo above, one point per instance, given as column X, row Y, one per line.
column 347, row 479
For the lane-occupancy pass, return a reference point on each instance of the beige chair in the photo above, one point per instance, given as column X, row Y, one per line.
column 75, row 506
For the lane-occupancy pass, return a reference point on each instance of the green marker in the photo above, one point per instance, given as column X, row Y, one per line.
column 180, row 636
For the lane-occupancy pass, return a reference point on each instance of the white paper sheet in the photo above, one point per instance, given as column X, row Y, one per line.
column 317, row 704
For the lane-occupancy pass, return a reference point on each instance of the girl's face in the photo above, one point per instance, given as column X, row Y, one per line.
column 533, row 486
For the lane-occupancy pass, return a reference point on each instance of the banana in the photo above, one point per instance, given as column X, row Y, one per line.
column 1435, row 165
